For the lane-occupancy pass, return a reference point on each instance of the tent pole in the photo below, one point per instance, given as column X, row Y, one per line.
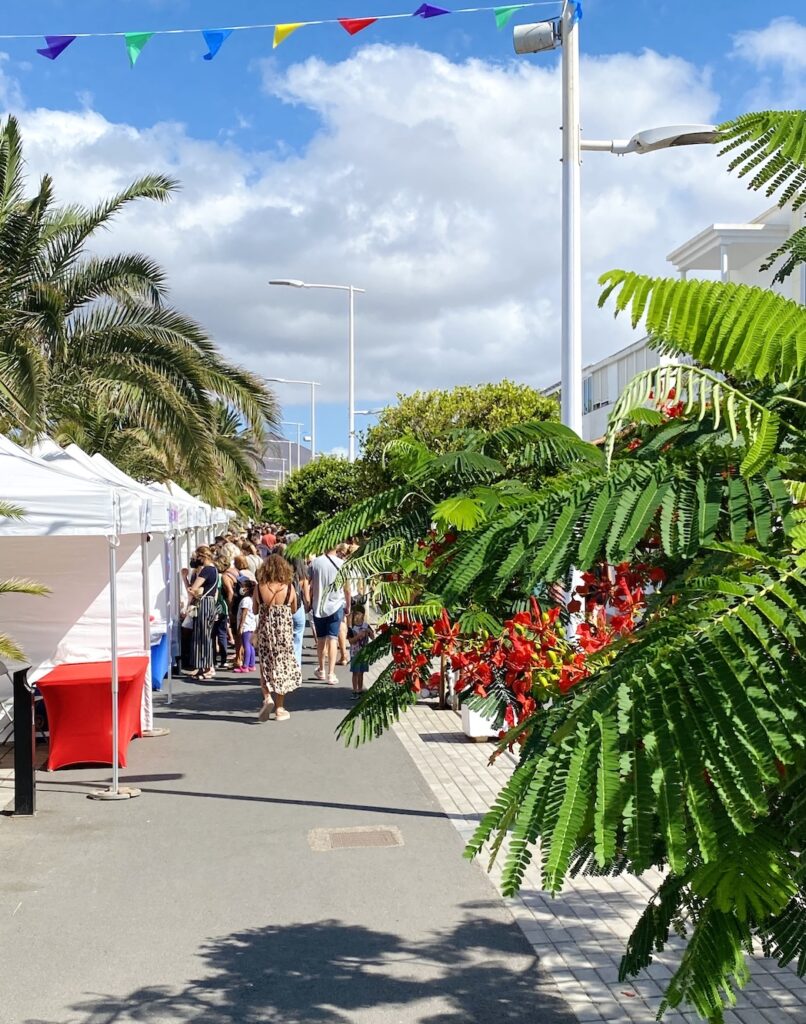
column 115, row 792
column 147, row 708
column 170, row 573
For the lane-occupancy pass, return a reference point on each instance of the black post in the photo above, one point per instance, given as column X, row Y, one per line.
column 24, row 745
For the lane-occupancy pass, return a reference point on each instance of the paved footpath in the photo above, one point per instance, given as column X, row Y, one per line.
column 204, row 901
column 578, row 936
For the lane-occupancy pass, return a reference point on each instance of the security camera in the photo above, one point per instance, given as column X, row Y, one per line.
column 543, row 35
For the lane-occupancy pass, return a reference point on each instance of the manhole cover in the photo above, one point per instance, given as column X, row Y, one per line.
column 358, row 838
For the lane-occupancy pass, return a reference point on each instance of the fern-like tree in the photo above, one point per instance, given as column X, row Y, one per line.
column 684, row 749
column 91, row 352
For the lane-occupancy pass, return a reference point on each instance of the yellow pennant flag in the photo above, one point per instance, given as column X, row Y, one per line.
column 282, row 32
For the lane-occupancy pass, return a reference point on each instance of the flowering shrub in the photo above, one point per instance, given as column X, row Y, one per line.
column 533, row 660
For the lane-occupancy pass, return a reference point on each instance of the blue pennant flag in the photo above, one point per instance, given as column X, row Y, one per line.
column 215, row 39
column 56, row 46
column 577, row 15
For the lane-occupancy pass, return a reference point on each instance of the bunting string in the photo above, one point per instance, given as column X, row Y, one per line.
column 214, row 38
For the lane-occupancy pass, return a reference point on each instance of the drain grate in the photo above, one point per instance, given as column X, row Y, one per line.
column 361, row 837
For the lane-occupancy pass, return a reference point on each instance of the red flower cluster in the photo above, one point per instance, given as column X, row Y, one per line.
column 434, row 545
column 410, row 654
column 531, row 661
column 614, row 598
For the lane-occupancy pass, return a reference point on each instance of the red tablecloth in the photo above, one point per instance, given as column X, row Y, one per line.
column 78, row 699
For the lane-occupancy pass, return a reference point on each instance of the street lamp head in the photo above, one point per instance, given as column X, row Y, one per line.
column 290, row 283
column 672, row 136
column 537, row 37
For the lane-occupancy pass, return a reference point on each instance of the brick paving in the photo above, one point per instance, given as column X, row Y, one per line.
column 578, row 936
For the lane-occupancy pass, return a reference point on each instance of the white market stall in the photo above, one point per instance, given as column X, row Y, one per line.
column 153, row 517
column 84, row 544
column 159, row 591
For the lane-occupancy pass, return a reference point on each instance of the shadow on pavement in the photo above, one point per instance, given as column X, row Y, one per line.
column 327, row 972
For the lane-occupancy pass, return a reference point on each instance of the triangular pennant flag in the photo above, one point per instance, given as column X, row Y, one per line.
column 355, row 25
column 503, row 15
column 56, row 46
column 282, row 32
column 427, row 11
column 577, row 15
column 215, row 39
column 135, row 42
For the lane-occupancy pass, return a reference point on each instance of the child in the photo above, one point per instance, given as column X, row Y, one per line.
column 246, row 626
column 359, row 634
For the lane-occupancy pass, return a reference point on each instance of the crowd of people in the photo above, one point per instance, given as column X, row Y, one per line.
column 246, row 606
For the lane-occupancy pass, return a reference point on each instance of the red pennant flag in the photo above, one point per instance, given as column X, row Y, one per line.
column 355, row 25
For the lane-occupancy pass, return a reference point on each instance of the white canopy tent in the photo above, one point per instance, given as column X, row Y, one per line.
column 153, row 516
column 95, row 610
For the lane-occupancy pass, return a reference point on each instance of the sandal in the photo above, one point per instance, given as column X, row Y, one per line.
column 281, row 715
column 267, row 711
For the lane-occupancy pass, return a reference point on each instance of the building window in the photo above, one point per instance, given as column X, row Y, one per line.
column 587, row 395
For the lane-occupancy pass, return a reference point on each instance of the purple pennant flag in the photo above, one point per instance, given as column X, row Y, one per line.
column 56, row 46
column 427, row 11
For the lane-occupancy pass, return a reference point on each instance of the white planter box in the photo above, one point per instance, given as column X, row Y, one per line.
column 476, row 726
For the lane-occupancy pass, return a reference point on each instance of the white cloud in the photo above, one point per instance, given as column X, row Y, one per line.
column 431, row 183
column 781, row 44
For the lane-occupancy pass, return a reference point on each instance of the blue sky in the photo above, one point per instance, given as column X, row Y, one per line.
column 254, row 108
column 172, row 82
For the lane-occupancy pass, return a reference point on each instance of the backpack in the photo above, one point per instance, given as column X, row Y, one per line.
column 221, row 608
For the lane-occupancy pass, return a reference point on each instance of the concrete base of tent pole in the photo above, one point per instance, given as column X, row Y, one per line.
column 122, row 793
column 152, row 734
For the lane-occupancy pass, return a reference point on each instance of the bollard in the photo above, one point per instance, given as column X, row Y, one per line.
column 24, row 745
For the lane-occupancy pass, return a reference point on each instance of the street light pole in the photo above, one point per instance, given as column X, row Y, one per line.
column 352, row 291
column 351, row 380
column 298, row 425
column 564, row 33
column 314, row 385
column 571, row 394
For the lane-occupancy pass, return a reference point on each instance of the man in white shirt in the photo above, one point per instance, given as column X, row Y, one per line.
column 330, row 605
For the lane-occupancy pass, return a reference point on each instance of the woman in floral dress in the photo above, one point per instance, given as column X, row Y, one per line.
column 275, row 602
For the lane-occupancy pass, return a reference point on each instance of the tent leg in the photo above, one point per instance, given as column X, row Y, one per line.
column 147, row 730
column 115, row 791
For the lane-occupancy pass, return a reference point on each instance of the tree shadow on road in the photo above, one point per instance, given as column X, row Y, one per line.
column 331, row 972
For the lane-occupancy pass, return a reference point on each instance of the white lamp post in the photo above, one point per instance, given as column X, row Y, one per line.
column 313, row 385
column 549, row 35
column 351, row 290
column 294, row 423
column 282, row 461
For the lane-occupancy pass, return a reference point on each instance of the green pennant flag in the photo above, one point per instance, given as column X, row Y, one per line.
column 503, row 15
column 135, row 43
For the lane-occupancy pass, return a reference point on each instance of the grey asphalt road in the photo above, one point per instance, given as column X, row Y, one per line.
column 203, row 901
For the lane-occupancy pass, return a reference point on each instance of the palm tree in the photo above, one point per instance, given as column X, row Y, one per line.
column 685, row 747
column 91, row 352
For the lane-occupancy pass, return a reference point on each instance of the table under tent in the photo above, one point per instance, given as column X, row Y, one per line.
column 82, row 538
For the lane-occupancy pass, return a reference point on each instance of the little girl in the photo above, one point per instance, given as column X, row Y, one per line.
column 246, row 626
column 359, row 634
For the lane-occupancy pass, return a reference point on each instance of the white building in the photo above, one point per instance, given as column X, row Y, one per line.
column 734, row 253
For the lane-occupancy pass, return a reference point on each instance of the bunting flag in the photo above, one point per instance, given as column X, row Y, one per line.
column 282, row 32
column 427, row 11
column 56, row 45
column 135, row 43
column 356, row 25
column 503, row 15
column 215, row 39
